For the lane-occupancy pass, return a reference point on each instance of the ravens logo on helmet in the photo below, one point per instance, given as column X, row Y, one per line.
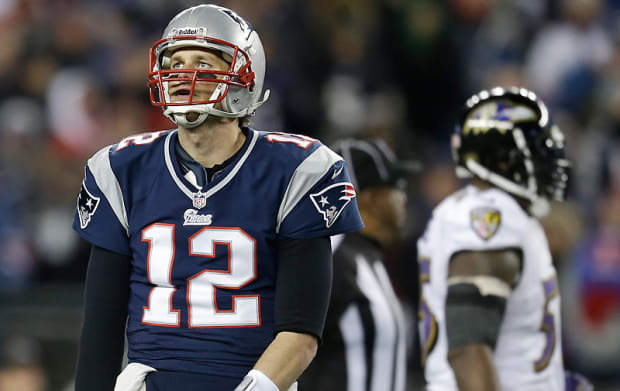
column 506, row 137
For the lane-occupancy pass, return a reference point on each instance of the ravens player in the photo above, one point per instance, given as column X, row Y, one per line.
column 210, row 241
column 490, row 306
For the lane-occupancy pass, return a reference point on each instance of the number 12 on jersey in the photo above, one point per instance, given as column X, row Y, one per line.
column 202, row 287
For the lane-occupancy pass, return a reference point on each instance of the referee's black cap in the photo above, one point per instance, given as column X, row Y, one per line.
column 372, row 163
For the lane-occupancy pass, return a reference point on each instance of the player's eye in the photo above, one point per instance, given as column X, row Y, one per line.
column 177, row 65
column 204, row 65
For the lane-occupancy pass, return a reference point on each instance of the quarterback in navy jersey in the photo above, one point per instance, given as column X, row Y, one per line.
column 210, row 241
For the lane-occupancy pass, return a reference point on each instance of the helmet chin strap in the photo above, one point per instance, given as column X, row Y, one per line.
column 538, row 207
column 247, row 111
column 178, row 114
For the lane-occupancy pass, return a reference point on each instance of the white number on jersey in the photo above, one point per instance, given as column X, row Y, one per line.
column 202, row 287
column 139, row 139
column 159, row 265
column 298, row 139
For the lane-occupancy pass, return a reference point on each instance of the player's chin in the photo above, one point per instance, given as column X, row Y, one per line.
column 179, row 99
column 184, row 98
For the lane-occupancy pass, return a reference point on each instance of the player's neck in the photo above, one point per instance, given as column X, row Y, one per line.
column 480, row 184
column 212, row 142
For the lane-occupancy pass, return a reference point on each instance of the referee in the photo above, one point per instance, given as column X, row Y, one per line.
column 363, row 345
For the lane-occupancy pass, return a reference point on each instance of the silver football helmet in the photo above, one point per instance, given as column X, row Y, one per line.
column 238, row 89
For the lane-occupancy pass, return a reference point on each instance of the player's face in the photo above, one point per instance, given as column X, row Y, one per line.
column 192, row 58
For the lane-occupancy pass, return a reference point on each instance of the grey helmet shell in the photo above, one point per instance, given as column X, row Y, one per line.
column 238, row 41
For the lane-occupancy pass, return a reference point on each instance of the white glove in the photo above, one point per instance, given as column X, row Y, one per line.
column 132, row 377
column 255, row 380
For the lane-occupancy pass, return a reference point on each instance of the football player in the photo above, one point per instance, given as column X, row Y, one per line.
column 210, row 242
column 490, row 306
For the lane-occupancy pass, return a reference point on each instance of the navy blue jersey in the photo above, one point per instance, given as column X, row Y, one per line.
column 204, row 260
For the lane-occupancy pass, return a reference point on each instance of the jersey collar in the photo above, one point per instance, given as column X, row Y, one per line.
column 219, row 181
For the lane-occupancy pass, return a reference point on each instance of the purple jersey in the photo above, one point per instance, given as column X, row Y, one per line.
column 204, row 259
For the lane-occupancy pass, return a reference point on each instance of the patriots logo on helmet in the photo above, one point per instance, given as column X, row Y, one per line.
column 332, row 200
column 86, row 206
column 244, row 24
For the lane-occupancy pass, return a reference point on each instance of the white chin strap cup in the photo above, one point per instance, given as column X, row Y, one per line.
column 181, row 120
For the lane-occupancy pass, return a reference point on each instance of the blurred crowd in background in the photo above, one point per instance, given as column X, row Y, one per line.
column 73, row 79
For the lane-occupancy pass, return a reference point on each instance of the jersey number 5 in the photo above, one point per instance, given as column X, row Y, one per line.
column 548, row 325
column 201, row 287
column 428, row 322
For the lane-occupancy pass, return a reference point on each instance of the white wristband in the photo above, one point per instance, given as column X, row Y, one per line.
column 255, row 380
column 133, row 377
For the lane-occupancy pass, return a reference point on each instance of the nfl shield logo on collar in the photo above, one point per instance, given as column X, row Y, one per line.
column 200, row 200
column 485, row 222
column 331, row 201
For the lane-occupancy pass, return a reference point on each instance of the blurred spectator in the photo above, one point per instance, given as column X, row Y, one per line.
column 77, row 111
column 5, row 8
column 564, row 55
column 19, row 129
column 600, row 141
column 20, row 366
column 592, row 296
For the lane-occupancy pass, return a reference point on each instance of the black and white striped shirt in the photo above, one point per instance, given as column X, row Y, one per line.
column 364, row 346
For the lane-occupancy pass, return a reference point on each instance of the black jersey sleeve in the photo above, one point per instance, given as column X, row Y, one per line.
column 105, row 314
column 303, row 285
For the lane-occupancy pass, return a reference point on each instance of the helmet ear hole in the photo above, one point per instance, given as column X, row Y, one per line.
column 165, row 62
column 156, row 94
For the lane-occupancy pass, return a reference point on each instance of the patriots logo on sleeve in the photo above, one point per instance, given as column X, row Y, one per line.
column 331, row 201
column 86, row 206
